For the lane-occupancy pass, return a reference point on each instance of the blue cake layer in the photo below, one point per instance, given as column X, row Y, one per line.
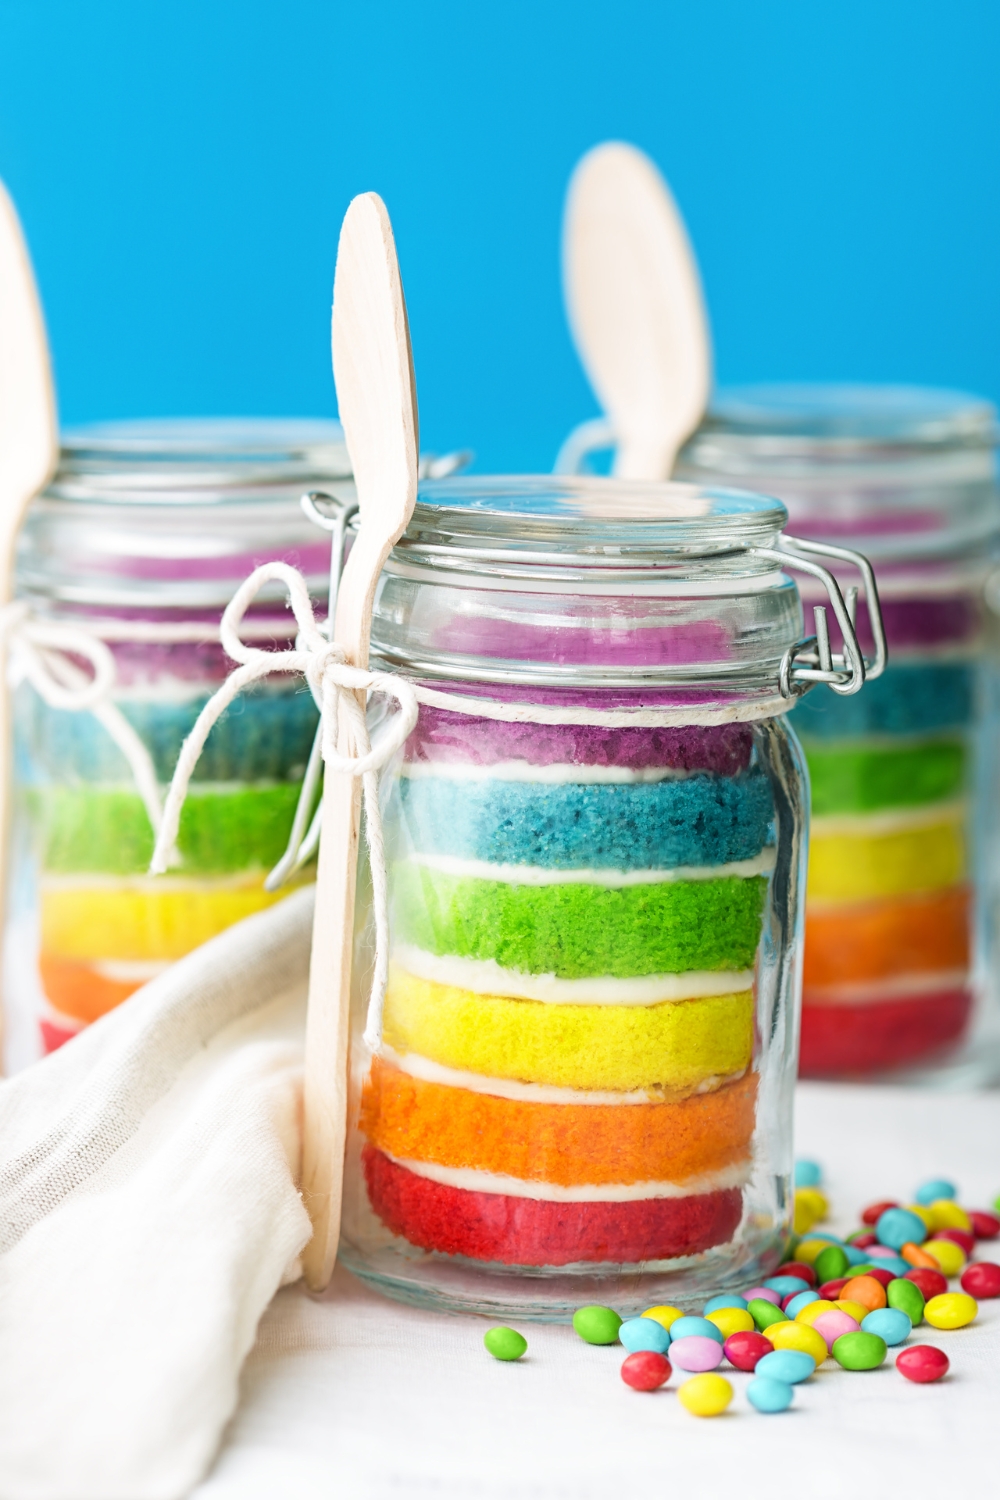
column 700, row 820
column 909, row 698
column 265, row 735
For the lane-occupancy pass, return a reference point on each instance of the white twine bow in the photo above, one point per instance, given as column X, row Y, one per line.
column 334, row 685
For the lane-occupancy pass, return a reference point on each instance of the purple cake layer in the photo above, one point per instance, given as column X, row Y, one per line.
column 911, row 623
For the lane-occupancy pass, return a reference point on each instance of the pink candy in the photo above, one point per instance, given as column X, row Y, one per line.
column 696, row 1353
column 830, row 1325
column 765, row 1294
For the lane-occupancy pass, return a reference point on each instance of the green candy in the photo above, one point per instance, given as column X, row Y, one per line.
column 505, row 1343
column 907, row 1297
column 597, row 1325
column 859, row 1351
column 830, row 1263
column 765, row 1313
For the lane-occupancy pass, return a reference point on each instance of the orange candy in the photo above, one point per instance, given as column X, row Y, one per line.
column 865, row 1290
column 914, row 1256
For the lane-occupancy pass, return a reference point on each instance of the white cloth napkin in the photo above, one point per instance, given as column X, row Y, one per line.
column 148, row 1214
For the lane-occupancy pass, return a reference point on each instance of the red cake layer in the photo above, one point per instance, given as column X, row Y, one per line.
column 530, row 1232
column 839, row 1040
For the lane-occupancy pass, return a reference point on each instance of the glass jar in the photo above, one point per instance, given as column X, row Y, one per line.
column 595, row 847
column 899, row 957
column 138, row 543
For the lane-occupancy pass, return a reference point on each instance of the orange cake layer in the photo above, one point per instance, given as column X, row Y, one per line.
column 566, row 1144
column 80, row 991
column 876, row 939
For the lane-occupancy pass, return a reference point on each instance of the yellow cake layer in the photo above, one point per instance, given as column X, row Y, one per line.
column 144, row 918
column 671, row 1048
column 858, row 866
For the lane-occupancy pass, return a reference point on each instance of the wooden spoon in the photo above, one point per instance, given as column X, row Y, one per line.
column 376, row 393
column 29, row 441
column 635, row 306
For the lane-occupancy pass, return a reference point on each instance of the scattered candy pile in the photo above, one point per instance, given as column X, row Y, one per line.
column 853, row 1299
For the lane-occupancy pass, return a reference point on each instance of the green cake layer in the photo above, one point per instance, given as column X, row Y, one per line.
column 575, row 931
column 855, row 778
column 105, row 830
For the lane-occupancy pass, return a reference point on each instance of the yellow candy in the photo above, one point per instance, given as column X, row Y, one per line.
column 924, row 1215
column 852, row 1309
column 950, row 1257
column 810, row 1207
column 946, row 1214
column 665, row 1315
column 731, row 1320
column 705, row 1395
column 809, row 1250
column 950, row 1310
column 798, row 1336
column 812, row 1311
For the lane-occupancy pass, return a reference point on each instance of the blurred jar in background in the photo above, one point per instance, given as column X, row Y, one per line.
column 140, row 542
column 900, row 952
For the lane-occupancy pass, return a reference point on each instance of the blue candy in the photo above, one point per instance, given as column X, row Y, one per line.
column 929, row 1192
column 714, row 1303
column 786, row 1286
column 798, row 1303
column 644, row 1333
column 683, row 1328
column 898, row 1227
column 889, row 1323
column 808, row 1174
column 787, row 1365
column 856, row 1257
column 768, row 1394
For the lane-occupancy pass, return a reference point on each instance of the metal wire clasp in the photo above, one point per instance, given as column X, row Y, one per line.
column 811, row 660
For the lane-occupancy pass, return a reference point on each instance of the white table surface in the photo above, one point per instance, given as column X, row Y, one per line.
column 351, row 1395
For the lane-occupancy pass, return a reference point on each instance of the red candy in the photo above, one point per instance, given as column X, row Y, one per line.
column 874, row 1212
column 981, row 1279
column 646, row 1370
column 883, row 1277
column 831, row 1290
column 930, row 1283
column 986, row 1226
column 796, row 1268
column 960, row 1237
column 744, row 1349
column 922, row 1363
column 864, row 1241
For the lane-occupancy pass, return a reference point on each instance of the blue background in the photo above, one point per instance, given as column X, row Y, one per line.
column 182, row 166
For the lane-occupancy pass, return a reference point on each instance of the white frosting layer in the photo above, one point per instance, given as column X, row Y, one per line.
column 486, row 977
column 556, row 774
column 155, row 885
column 481, row 869
column 125, row 971
column 428, row 1071
column 922, row 986
column 472, row 1181
column 898, row 820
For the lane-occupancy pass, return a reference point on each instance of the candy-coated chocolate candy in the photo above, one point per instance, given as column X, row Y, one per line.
column 916, row 1256
column 902, row 1293
column 930, row 1283
column 694, row 1327
column 666, row 1314
column 874, row 1211
column 765, row 1313
column 831, row 1290
column 763, row 1294
column 798, row 1268
column 505, row 1343
column 809, row 1174
column 810, row 1207
column 949, row 1256
column 868, row 1290
column 898, row 1227
column 985, row 1226
column 889, row 1323
column 861, row 1239
column 856, row 1310
column 787, row 1286
column 937, row 1187
column 963, row 1238
column 706, row 1395
column 714, row 1303
column 946, row 1214
column 792, row 1306
column 597, row 1325
column 950, row 1310
column 996, row 1203
column 833, row 1324
column 798, row 1336
column 695, row 1352
column 767, row 1394
column 923, row 1214
column 745, row 1349
column 922, row 1363
column 808, row 1249
column 877, row 1273
column 859, row 1351
column 814, row 1310
column 637, row 1334
column 789, row 1365
column 732, row 1320
column 855, row 1257
column 831, row 1262
column 645, row 1370
column 981, row 1279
